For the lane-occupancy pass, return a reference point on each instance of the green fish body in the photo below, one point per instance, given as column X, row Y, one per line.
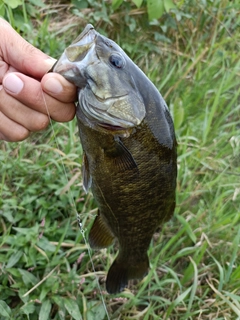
column 129, row 144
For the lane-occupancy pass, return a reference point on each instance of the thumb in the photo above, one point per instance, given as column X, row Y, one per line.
column 20, row 54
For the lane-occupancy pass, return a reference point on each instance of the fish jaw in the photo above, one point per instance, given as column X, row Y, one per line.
column 71, row 64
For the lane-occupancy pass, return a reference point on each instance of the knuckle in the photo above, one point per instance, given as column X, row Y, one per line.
column 64, row 113
column 41, row 123
column 71, row 113
column 68, row 113
column 37, row 98
column 69, row 92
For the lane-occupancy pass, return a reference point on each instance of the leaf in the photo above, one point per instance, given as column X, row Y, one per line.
column 73, row 309
column 27, row 277
column 28, row 308
column 178, row 113
column 22, row 230
column 2, row 10
column 45, row 310
column 168, row 5
column 155, row 9
column 13, row 3
column 95, row 311
column 225, row 299
column 82, row 4
column 62, row 311
column 189, row 271
column 138, row 3
column 116, row 4
column 187, row 227
column 13, row 271
column 38, row 3
column 177, row 301
column 46, row 245
column 5, row 311
column 14, row 259
column 234, row 256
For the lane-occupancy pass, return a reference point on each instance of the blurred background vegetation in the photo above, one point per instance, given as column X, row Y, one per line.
column 190, row 50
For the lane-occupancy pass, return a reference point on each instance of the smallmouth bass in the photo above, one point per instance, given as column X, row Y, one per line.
column 130, row 157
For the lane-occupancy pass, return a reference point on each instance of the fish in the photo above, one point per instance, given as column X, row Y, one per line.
column 129, row 151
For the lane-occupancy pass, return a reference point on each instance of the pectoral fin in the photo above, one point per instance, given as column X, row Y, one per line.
column 86, row 176
column 100, row 235
column 121, row 156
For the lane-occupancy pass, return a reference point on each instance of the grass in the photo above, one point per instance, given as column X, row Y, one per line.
column 46, row 271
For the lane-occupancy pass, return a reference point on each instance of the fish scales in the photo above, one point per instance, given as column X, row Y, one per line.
column 129, row 144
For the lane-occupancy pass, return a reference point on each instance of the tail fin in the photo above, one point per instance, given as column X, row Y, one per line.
column 121, row 271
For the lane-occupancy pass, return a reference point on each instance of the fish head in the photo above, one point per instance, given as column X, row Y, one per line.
column 108, row 94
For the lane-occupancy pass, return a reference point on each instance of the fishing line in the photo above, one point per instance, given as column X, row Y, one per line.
column 72, row 202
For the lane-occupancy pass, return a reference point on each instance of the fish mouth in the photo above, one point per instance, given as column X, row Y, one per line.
column 82, row 44
column 87, row 35
column 67, row 65
column 111, row 127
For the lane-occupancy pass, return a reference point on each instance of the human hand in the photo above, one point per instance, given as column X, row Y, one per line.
column 26, row 89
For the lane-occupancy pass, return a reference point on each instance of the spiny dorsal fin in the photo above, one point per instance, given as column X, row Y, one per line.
column 100, row 235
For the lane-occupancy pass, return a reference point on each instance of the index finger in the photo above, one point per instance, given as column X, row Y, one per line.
column 20, row 54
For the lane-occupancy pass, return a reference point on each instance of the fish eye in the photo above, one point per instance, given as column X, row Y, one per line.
column 116, row 60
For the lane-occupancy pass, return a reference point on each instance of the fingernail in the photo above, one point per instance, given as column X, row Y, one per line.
column 50, row 62
column 12, row 83
column 53, row 85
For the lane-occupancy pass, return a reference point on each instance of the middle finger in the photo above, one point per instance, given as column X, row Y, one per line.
column 18, row 112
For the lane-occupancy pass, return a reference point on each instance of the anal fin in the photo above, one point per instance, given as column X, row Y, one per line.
column 100, row 235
